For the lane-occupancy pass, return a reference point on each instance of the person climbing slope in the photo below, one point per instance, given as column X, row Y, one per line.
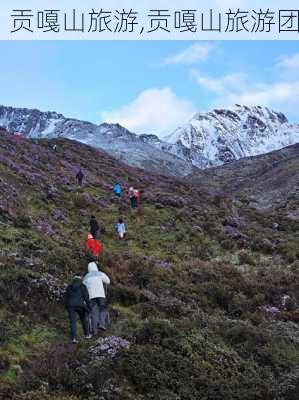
column 77, row 304
column 93, row 246
column 117, row 190
column 137, row 194
column 133, row 198
column 121, row 229
column 80, row 177
column 95, row 281
column 94, row 226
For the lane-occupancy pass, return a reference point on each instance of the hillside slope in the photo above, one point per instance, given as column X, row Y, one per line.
column 269, row 181
column 196, row 294
column 145, row 151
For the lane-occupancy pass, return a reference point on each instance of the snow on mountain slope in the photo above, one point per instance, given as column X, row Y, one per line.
column 211, row 139
column 31, row 123
column 224, row 135
column 145, row 151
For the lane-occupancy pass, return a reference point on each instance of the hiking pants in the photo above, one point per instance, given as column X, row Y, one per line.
column 98, row 313
column 133, row 201
column 82, row 313
column 94, row 233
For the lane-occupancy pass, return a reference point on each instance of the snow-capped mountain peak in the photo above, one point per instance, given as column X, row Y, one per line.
column 208, row 139
column 224, row 135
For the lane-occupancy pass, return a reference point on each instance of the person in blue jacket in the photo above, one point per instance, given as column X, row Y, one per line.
column 117, row 190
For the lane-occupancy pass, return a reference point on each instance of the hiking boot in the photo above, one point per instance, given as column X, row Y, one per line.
column 102, row 327
column 75, row 341
column 88, row 336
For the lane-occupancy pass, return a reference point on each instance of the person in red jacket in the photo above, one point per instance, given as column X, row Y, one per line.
column 93, row 246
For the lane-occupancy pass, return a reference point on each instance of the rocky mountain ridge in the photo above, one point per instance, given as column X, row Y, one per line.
column 225, row 135
column 140, row 151
column 215, row 138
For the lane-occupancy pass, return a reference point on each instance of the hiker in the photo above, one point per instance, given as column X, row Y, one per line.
column 77, row 303
column 117, row 190
column 95, row 281
column 93, row 246
column 138, row 197
column 133, row 198
column 121, row 229
column 286, row 302
column 80, row 177
column 54, row 147
column 94, row 226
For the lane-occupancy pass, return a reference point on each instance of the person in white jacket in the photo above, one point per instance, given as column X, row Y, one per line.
column 121, row 229
column 95, row 281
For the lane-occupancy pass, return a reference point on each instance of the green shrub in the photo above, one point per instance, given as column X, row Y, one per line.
column 41, row 395
column 22, row 220
column 246, row 258
column 56, row 366
column 62, row 260
column 124, row 295
column 290, row 251
column 4, row 361
column 81, row 201
column 159, row 332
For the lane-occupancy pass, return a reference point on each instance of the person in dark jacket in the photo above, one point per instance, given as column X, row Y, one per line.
column 80, row 177
column 94, row 226
column 77, row 304
column 132, row 197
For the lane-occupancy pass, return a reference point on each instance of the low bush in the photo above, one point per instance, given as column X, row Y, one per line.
column 22, row 220
column 125, row 295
